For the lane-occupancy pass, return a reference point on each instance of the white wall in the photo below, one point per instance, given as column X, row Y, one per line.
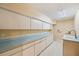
column 62, row 27
column 77, row 22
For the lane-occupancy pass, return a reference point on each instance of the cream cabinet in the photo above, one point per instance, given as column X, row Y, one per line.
column 31, row 48
column 43, row 43
column 17, row 54
column 51, row 26
column 48, row 51
column 13, row 52
column 10, row 20
column 23, row 23
column 40, row 46
column 49, row 39
column 28, row 49
column 46, row 26
column 36, row 24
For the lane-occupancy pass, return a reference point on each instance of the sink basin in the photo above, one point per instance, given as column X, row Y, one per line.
column 71, row 38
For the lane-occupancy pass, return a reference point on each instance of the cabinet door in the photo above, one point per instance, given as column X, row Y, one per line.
column 49, row 39
column 41, row 44
column 23, row 23
column 46, row 26
column 13, row 52
column 17, row 54
column 38, row 48
column 36, row 24
column 71, row 48
column 10, row 20
column 48, row 51
column 5, row 19
column 51, row 27
column 29, row 51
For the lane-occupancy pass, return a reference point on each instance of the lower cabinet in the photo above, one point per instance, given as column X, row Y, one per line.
column 35, row 48
column 71, row 48
column 43, row 43
column 14, row 52
column 29, row 51
column 47, row 52
column 40, row 46
column 18, row 54
column 49, row 40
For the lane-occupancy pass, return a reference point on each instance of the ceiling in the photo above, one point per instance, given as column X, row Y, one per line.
column 57, row 10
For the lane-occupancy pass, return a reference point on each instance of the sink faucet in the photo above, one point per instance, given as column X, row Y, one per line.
column 74, row 33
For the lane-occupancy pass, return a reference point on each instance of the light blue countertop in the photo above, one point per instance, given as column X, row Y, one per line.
column 10, row 43
column 71, row 38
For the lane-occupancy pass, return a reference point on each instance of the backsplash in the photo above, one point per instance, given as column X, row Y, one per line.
column 15, row 32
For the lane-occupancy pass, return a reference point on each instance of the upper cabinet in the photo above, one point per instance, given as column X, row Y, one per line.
column 36, row 24
column 51, row 26
column 46, row 26
column 10, row 20
column 26, row 9
column 24, row 23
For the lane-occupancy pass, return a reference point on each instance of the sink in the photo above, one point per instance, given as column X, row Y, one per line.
column 71, row 38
